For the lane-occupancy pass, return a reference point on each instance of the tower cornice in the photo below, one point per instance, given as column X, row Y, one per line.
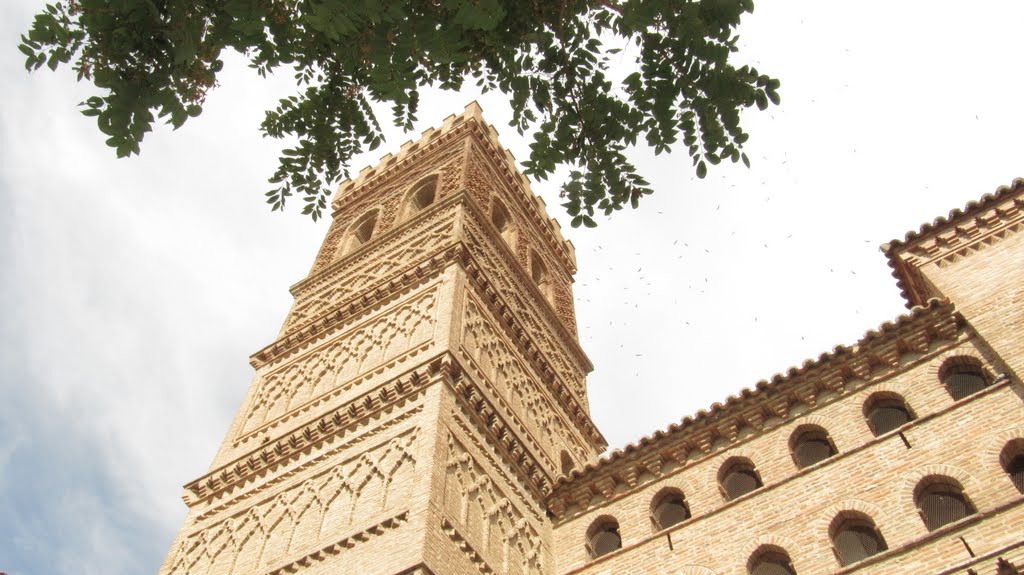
column 227, row 484
column 980, row 224
column 312, row 434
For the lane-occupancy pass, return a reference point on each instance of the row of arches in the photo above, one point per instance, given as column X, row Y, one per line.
column 423, row 194
column 884, row 412
column 939, row 500
column 854, row 535
column 961, row 376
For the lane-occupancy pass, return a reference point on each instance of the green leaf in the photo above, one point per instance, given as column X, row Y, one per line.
column 162, row 59
column 761, row 100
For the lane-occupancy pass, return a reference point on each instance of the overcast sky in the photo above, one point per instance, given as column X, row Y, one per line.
column 133, row 291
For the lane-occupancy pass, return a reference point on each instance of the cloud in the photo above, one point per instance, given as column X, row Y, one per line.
column 63, row 510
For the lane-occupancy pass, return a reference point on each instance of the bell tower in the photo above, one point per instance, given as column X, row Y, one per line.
column 426, row 389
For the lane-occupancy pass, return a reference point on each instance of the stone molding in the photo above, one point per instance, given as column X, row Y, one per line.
column 311, row 435
column 437, row 221
column 363, row 409
column 392, row 240
column 500, row 433
column 487, row 138
column 296, row 388
column 877, row 355
column 340, row 546
column 945, row 240
column 227, row 498
column 303, row 337
column 465, row 547
column 490, row 506
column 338, row 269
column 511, row 484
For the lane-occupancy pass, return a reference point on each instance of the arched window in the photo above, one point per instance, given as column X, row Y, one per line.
column 539, row 273
column 963, row 376
column 886, row 412
column 603, row 537
column 941, row 501
column 567, row 464
column 737, row 478
column 810, row 444
column 669, row 508
column 361, row 231
column 422, row 195
column 770, row 560
column 1012, row 460
column 855, row 537
column 502, row 222
column 537, row 270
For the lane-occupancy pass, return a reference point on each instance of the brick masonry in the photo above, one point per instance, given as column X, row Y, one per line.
column 424, row 408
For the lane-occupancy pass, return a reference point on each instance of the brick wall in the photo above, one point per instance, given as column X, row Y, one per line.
column 875, row 476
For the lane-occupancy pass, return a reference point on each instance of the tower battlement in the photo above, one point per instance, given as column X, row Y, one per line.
column 472, row 120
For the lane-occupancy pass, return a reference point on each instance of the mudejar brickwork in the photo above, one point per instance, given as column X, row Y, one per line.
column 424, row 410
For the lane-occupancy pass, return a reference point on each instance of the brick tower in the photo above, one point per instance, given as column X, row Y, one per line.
column 425, row 391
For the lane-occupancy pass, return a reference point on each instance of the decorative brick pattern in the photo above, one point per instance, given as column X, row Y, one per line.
column 340, row 360
column 516, row 386
column 289, row 524
column 490, row 522
column 362, row 274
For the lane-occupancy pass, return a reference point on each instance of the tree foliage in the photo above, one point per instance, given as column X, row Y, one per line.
column 160, row 58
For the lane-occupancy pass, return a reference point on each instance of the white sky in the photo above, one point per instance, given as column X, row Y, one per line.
column 133, row 291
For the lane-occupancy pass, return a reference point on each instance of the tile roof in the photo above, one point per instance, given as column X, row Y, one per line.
column 746, row 395
column 973, row 208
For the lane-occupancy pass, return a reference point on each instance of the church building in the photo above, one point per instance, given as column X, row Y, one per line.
column 423, row 410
